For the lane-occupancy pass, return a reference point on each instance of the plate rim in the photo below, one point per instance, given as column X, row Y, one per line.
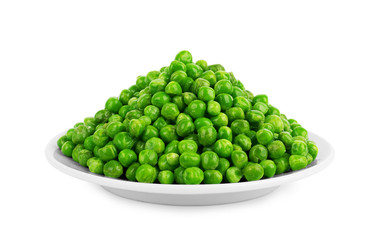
column 184, row 189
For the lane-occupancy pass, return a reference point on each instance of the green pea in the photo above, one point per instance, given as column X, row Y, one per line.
column 67, row 148
column 136, row 128
column 197, row 109
column 173, row 159
column 233, row 174
column 243, row 141
column 312, row 149
column 100, row 137
column 173, row 88
column 184, row 56
column 113, row 104
column 258, row 153
column 172, row 147
column 269, row 168
column 189, row 97
column 83, row 157
column 213, row 108
column 95, row 165
column 146, row 173
column 225, row 100
column 193, row 175
column 170, row 111
column 113, row 128
column 209, row 160
column 276, row 149
column 179, row 101
column 210, row 76
column 150, row 132
column 216, row 67
column 282, row 165
column 287, row 139
column 183, row 116
column 166, row 177
column 130, row 173
column 267, row 126
column 194, row 71
column 260, row 98
column 124, row 110
column 309, row 158
column 220, row 120
column 223, row 148
column 155, row 144
column 141, row 82
column 297, row 162
column 225, row 132
column 79, row 134
column 206, row 94
column 207, row 135
column 212, row 177
column 222, row 75
column 273, row 111
column 185, row 127
column 115, row 118
column 157, row 85
column 75, row 152
column 242, row 102
column 189, row 159
column 253, row 172
column 177, row 66
column 187, row 146
column 223, row 165
column 291, row 121
column 133, row 102
column 139, row 146
column 179, row 76
column 235, row 113
column 145, row 120
column 299, row 148
column 133, row 114
column 239, row 158
column 107, row 153
column 126, row 157
column 203, row 64
column 238, row 92
column 260, row 106
column 300, row 131
column 163, row 163
column 250, row 95
column 168, row 133
column 236, row 147
column 89, row 143
column 69, row 134
column 193, row 137
column 113, row 169
column 276, row 121
column 150, row 76
column 240, row 126
column 197, row 84
column 160, row 98
column 223, row 86
column 286, row 125
column 160, row 123
column 133, row 89
column 61, row 141
column 125, row 95
column 264, row 136
column 178, row 175
column 202, row 122
column 300, row 138
column 148, row 156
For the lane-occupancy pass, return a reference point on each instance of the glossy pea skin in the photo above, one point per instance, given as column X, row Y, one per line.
column 207, row 135
column 168, row 133
column 240, row 126
column 203, row 64
column 220, row 120
column 146, row 173
column 309, row 158
column 67, row 148
column 300, row 131
column 143, row 101
column 159, row 99
column 123, row 140
column 83, row 157
column 113, row 169
column 213, row 108
column 233, row 174
column 150, row 132
column 141, row 82
column 157, row 85
column 225, row 100
column 126, row 157
column 185, row 127
column 179, row 101
column 276, row 122
column 223, row 165
column 172, row 147
column 299, row 148
column 113, row 128
column 69, row 134
column 222, row 75
column 212, row 177
column 75, row 152
column 223, row 148
column 282, row 165
column 300, row 138
column 202, row 122
column 260, row 98
column 287, row 139
column 61, row 141
column 178, row 76
column 242, row 102
column 89, row 144
column 206, row 94
column 253, row 171
column 133, row 102
column 276, row 149
column 170, row 111
column 136, row 128
column 163, row 163
column 264, row 136
column 236, row 147
column 183, row 116
column 107, row 153
column 223, row 86
column 260, row 106
column 210, row 76
column 173, row 88
column 178, row 175
column 95, row 165
column 150, row 76
column 155, row 144
column 197, row 109
column 166, row 177
column 188, row 97
column 273, row 111
column 312, row 149
column 243, row 141
column 235, row 113
column 193, row 175
column 239, row 158
column 133, row 114
column 173, row 159
column 184, row 56
column 148, row 156
column 125, row 95
column 187, row 146
column 209, row 160
column 225, row 132
column 160, row 123
column 189, row 159
column 115, row 118
column 258, row 153
column 269, row 168
column 139, row 146
column 102, row 116
column 79, row 134
column 113, row 104
column 216, row 67
column 100, row 137
column 193, row 71
column 124, row 110
column 177, row 65
column 130, row 173
column 297, row 162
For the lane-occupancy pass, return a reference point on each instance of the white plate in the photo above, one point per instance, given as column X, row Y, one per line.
column 177, row 194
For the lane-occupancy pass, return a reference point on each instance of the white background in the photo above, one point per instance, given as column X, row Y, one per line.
column 316, row 60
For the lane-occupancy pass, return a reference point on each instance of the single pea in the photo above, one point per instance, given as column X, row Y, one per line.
column 189, row 159
column 216, row 67
column 155, row 144
column 150, row 132
column 100, row 137
column 160, row 98
column 144, row 91
column 260, row 98
column 258, row 153
column 184, row 56
column 179, row 101
column 113, row 169
column 177, row 66
column 183, row 116
column 146, row 173
column 125, row 95
column 264, row 136
column 223, row 165
column 193, row 175
column 260, row 106
column 206, row 94
column 107, row 153
column 222, row 75
column 276, row 122
column 197, row 84
column 89, row 121
column 133, row 89
column 233, row 174
column 250, row 95
column 267, row 126
column 178, row 76
column 236, row 147
column 173, row 159
column 168, row 133
column 69, row 134
column 102, row 116
column 300, row 138
column 269, row 168
column 253, row 171
column 185, row 127
column 235, row 113
column 202, row 122
column 300, row 131
column 287, row 139
column 67, row 148
column 133, row 114
column 243, row 141
column 139, row 146
column 238, row 92
column 209, row 160
column 282, row 165
column 225, row 100
column 291, row 121
column 309, row 158
column 212, row 177
column 143, row 101
column 148, row 156
column 124, row 110
column 203, row 64
column 312, row 149
column 113, row 128
column 193, row 137
column 130, row 173
column 210, row 76
column 89, row 143
column 126, row 157
column 95, row 165
column 115, row 118
column 172, row 147
column 150, row 76
column 61, row 141
column 187, row 146
column 160, row 123
column 220, row 120
column 197, row 109
column 163, row 163
column 166, row 177
column 170, row 111
column 242, row 102
column 178, row 175
column 299, row 148
column 136, row 128
column 286, row 125
column 83, row 157
column 207, row 135
column 273, row 111
column 141, row 82
column 223, row 86
column 133, row 102
column 173, row 88
column 276, row 149
column 239, row 158
column 189, row 97
column 194, row 71
column 113, row 104
column 78, row 124
column 240, row 126
column 186, row 84
column 79, row 134
column 213, row 108
column 294, row 125
column 297, row 162
column 223, row 148
column 225, row 132
column 75, row 152
column 145, row 120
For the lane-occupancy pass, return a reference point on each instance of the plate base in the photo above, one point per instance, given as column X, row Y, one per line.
column 191, row 199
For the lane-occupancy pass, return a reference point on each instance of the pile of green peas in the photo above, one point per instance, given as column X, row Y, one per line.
column 189, row 123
